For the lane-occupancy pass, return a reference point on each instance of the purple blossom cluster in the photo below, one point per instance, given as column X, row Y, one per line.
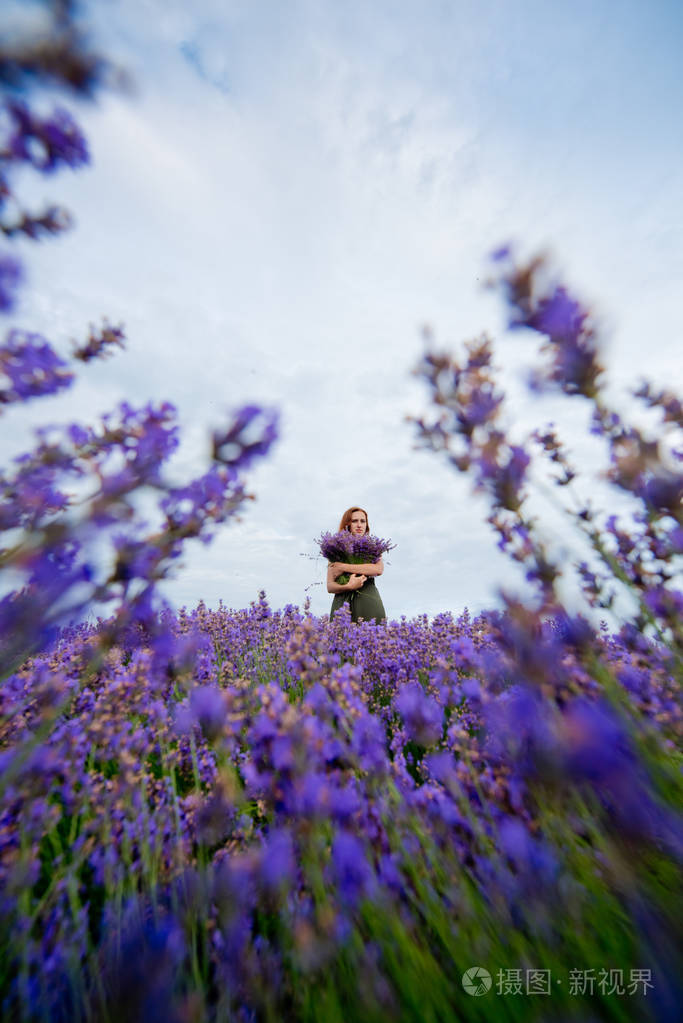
column 336, row 546
column 71, row 526
column 44, row 143
column 10, row 278
column 352, row 549
column 99, row 550
column 470, row 427
column 58, row 56
column 31, row 368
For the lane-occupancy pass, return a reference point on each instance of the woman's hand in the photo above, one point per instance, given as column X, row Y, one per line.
column 337, row 568
column 355, row 582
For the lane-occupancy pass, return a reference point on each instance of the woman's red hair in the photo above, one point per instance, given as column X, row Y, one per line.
column 346, row 518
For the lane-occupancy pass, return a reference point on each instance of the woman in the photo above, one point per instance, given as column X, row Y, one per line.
column 360, row 591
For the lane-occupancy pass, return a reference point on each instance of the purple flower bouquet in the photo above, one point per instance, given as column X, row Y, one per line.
column 354, row 550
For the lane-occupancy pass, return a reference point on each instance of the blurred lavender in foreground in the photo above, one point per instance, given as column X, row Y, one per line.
column 641, row 555
column 76, row 496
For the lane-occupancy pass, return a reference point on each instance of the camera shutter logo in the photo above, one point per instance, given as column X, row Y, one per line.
column 476, row 980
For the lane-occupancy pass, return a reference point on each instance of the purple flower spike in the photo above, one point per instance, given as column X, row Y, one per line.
column 100, row 343
column 515, row 839
column 208, row 709
column 422, row 715
column 11, row 274
column 278, row 864
column 46, row 144
column 560, row 316
column 140, row 976
column 352, row 870
column 471, row 688
column 665, row 603
column 530, row 856
column 481, row 407
column 501, row 254
column 250, row 435
column 32, row 366
column 596, row 746
column 336, row 546
column 573, row 344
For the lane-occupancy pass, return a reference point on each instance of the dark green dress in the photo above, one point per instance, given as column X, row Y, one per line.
column 366, row 603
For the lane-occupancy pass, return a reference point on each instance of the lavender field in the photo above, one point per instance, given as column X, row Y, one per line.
column 259, row 815
column 214, row 814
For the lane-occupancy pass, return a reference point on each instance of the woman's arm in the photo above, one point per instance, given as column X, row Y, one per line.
column 371, row 568
column 354, row 583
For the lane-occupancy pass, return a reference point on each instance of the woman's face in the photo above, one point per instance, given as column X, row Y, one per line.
column 358, row 524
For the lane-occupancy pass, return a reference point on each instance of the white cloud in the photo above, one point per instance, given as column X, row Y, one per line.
column 283, row 236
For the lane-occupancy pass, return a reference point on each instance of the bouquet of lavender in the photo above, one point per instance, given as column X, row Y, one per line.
column 354, row 550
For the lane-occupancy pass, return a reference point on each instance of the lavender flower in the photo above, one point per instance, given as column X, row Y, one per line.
column 46, row 143
column 351, row 549
column 422, row 715
column 278, row 863
column 11, row 274
column 351, row 869
column 550, row 310
column 336, row 546
column 99, row 344
column 250, row 435
column 32, row 367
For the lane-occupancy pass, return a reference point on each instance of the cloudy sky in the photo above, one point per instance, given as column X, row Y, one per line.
column 296, row 188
